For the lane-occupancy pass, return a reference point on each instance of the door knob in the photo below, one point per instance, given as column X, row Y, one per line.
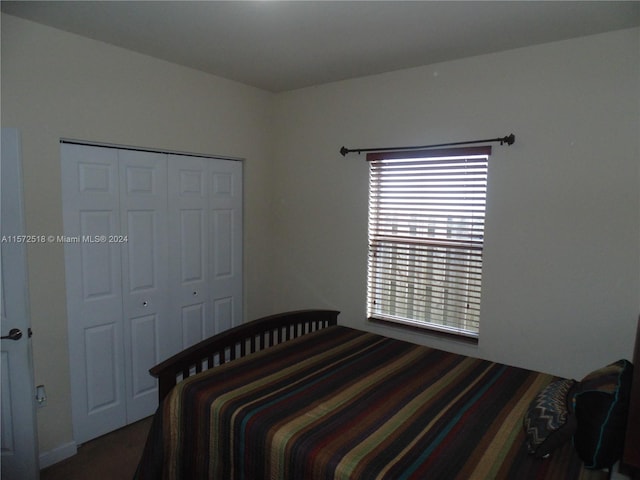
column 14, row 334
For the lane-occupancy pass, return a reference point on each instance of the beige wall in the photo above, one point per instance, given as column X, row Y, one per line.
column 562, row 287
column 56, row 85
column 561, row 270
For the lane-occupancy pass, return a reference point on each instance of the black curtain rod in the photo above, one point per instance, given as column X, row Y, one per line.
column 509, row 140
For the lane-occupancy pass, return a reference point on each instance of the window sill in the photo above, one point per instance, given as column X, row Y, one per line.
column 426, row 329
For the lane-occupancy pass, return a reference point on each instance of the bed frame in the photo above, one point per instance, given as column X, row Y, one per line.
column 237, row 342
column 268, row 331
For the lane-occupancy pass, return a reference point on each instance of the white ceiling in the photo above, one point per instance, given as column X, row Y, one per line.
column 280, row 45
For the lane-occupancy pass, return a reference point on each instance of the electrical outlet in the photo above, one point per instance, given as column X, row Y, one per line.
column 41, row 396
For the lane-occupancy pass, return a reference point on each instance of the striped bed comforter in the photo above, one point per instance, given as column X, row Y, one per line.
column 345, row 404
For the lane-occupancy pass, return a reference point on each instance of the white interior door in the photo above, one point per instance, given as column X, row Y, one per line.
column 205, row 204
column 91, row 213
column 144, row 243
column 225, row 233
column 153, row 257
column 189, row 249
column 18, row 429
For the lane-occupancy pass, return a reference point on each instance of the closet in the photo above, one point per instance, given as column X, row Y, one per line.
column 153, row 260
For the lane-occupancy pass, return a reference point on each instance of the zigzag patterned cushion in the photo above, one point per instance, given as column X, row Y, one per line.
column 550, row 420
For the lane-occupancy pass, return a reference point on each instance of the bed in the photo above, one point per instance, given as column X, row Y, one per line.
column 296, row 396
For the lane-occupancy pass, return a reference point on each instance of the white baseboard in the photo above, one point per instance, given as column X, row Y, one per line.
column 58, row 454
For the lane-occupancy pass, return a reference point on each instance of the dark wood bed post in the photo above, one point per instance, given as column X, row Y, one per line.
column 631, row 457
column 238, row 342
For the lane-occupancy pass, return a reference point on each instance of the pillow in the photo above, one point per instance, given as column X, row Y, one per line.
column 550, row 421
column 601, row 404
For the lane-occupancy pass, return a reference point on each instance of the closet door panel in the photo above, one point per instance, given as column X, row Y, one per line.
column 189, row 250
column 99, row 260
column 141, row 232
column 144, row 243
column 222, row 227
column 144, row 334
column 225, row 233
column 102, row 367
column 193, row 321
column 94, row 289
column 192, row 248
column 223, row 266
column 223, row 310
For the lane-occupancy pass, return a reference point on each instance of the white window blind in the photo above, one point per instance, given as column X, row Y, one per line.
column 426, row 233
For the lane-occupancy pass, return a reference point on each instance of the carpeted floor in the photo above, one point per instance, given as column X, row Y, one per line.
column 111, row 457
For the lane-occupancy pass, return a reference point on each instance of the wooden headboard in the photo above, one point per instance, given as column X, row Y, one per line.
column 237, row 342
column 631, row 457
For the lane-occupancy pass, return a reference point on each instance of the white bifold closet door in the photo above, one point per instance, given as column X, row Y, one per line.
column 205, row 216
column 153, row 256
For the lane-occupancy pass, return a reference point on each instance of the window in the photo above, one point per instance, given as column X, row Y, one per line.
column 426, row 234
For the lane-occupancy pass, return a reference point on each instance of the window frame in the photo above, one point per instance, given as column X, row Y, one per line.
column 472, row 240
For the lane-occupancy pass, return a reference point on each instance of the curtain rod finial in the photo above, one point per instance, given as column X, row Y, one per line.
column 344, row 151
column 509, row 139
